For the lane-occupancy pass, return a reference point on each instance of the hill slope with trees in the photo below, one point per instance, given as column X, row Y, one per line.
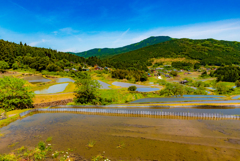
column 207, row 51
column 24, row 56
column 108, row 52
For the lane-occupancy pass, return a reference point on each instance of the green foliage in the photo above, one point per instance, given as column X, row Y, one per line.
column 121, row 145
column 92, row 61
column 228, row 74
column 100, row 157
column 173, row 89
column 222, row 88
column 200, row 84
column 107, row 52
column 87, row 91
column 162, row 82
column 182, row 65
column 23, row 153
column 176, row 89
column 173, row 73
column 38, row 58
column 14, row 94
column 204, row 74
column 157, row 65
column 53, row 67
column 137, row 75
column 132, row 88
column 41, row 145
column 91, row 144
column 200, row 91
column 237, row 83
column 15, row 66
column 49, row 139
column 3, row 66
column 197, row 65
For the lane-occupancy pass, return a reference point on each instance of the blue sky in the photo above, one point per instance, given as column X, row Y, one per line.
column 79, row 25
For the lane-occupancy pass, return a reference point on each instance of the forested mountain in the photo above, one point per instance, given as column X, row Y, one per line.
column 108, row 52
column 25, row 56
column 207, row 51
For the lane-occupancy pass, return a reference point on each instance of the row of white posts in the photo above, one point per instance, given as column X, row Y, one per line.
column 136, row 112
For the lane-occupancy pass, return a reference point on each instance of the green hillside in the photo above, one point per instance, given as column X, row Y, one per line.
column 208, row 51
column 108, row 52
column 24, row 56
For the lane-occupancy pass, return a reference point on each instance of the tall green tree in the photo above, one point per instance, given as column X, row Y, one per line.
column 87, row 91
column 14, row 94
column 173, row 89
column 3, row 66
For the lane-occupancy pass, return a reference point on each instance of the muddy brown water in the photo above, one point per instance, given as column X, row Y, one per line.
column 144, row 138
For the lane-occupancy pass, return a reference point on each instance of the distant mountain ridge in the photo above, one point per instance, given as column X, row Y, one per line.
column 104, row 53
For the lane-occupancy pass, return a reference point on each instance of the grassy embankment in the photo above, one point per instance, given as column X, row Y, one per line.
column 52, row 97
column 11, row 116
column 119, row 96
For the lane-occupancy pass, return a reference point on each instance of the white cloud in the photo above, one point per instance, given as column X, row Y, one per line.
column 222, row 30
column 68, row 39
column 121, row 36
column 68, row 30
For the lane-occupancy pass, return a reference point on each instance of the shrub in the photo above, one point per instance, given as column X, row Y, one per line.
column 204, row 74
column 87, row 91
column 237, row 83
column 15, row 66
column 174, row 73
column 3, row 66
column 53, row 67
column 132, row 88
column 14, row 94
column 173, row 89
column 162, row 82
column 222, row 88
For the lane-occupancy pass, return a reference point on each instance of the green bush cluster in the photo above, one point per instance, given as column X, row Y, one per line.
column 137, row 75
column 132, row 88
column 228, row 74
column 14, row 94
column 176, row 89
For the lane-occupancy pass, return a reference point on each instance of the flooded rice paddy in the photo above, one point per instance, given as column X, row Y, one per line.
column 147, row 89
column 52, row 89
column 60, row 80
column 140, row 88
column 121, row 84
column 236, row 97
column 140, row 138
column 36, row 79
column 104, row 85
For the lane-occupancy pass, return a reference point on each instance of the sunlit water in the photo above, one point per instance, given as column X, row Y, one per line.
column 60, row 80
column 36, row 79
column 104, row 85
column 143, row 138
column 52, row 89
column 147, row 89
column 121, row 84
